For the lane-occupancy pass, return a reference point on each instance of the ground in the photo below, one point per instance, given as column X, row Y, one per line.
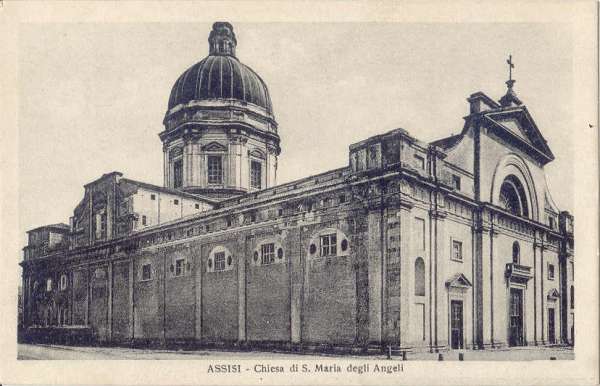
column 52, row 352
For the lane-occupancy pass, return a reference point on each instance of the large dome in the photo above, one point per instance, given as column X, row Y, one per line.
column 221, row 75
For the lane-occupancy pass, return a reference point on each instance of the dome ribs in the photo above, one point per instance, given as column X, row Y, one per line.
column 213, row 81
column 199, row 73
column 220, row 77
column 237, row 86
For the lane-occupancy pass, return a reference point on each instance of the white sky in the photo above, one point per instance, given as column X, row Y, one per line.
column 93, row 96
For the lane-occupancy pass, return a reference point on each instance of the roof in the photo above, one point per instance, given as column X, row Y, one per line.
column 448, row 142
column 168, row 190
column 59, row 227
column 220, row 76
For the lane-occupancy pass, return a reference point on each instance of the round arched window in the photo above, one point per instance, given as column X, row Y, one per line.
column 255, row 256
column 209, row 263
column 512, row 196
column 516, row 253
column 312, row 249
column 419, row 277
column 228, row 260
column 279, row 253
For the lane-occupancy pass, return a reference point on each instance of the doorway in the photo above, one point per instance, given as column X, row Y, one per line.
column 551, row 329
column 456, row 324
column 516, row 317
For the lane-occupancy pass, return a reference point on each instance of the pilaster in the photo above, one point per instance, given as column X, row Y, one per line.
column 376, row 276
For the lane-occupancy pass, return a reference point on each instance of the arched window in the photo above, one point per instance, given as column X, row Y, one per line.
column 516, row 253
column 512, row 196
column 572, row 297
column 419, row 277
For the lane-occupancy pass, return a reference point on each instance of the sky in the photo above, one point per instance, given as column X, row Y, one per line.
column 92, row 96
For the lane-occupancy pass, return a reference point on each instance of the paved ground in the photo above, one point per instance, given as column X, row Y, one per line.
column 56, row 352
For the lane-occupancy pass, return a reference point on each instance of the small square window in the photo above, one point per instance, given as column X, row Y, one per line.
column 457, row 250
column 329, row 245
column 197, row 206
column 146, row 272
column 456, row 182
column 176, row 202
column 179, row 267
column 550, row 271
column 153, row 196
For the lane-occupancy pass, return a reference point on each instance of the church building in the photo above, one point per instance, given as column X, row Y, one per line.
column 422, row 246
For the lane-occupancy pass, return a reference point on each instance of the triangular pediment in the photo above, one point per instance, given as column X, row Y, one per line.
column 518, row 127
column 458, row 281
column 553, row 294
column 214, row 146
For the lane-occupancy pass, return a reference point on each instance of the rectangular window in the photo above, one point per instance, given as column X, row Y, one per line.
column 342, row 198
column 63, row 282
column 420, row 233
column 267, row 253
column 215, row 169
column 146, row 272
column 179, row 267
column 329, row 245
column 255, row 174
column 178, row 174
column 551, row 222
column 457, row 250
column 456, row 182
column 176, row 202
column 420, row 161
column 143, row 220
column 550, row 271
column 197, row 206
column 220, row 261
column 48, row 285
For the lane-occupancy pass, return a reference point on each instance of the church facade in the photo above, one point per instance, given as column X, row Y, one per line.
column 452, row 244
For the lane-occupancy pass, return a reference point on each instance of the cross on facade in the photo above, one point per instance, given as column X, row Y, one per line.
column 510, row 67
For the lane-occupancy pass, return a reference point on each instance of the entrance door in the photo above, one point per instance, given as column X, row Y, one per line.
column 516, row 317
column 551, row 331
column 456, row 324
